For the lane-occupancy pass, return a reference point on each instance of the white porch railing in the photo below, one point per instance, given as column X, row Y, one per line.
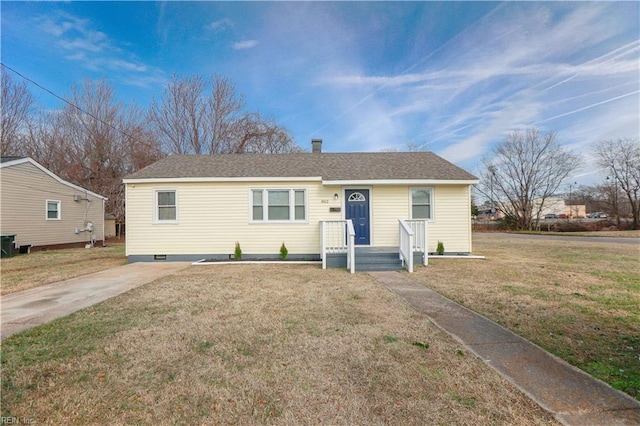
column 406, row 245
column 338, row 236
column 421, row 242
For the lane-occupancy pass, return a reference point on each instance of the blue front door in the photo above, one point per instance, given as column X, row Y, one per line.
column 357, row 209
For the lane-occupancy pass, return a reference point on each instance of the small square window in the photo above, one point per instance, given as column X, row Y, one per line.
column 421, row 203
column 166, row 206
column 53, row 210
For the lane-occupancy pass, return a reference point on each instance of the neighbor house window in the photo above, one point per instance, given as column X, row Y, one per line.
column 53, row 210
column 166, row 206
column 421, row 203
column 278, row 205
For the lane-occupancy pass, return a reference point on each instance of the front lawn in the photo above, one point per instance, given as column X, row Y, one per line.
column 579, row 300
column 253, row 344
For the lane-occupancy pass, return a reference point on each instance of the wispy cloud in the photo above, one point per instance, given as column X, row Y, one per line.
column 95, row 51
column 515, row 68
column 220, row 25
column 246, row 44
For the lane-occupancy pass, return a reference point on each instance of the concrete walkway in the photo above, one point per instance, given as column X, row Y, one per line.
column 29, row 308
column 571, row 395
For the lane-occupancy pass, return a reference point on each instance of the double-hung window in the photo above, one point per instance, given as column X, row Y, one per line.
column 166, row 205
column 53, row 210
column 278, row 205
column 421, row 203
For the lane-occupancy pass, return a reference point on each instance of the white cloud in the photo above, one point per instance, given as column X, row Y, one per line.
column 220, row 25
column 247, row 44
column 96, row 51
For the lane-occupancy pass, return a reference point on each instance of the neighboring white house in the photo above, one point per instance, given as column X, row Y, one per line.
column 44, row 211
column 198, row 207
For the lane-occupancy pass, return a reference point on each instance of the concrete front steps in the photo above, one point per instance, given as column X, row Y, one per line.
column 373, row 259
column 377, row 259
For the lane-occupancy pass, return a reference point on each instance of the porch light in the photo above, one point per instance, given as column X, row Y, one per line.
column 336, row 196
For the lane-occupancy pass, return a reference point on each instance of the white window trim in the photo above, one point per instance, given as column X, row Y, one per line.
column 156, row 219
column 431, row 204
column 292, row 206
column 46, row 209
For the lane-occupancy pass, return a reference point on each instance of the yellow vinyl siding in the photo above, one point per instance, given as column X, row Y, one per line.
column 389, row 204
column 25, row 191
column 213, row 216
column 452, row 219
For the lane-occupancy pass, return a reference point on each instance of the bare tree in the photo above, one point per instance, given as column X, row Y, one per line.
column 178, row 119
column 621, row 158
column 523, row 171
column 17, row 105
column 93, row 142
column 188, row 119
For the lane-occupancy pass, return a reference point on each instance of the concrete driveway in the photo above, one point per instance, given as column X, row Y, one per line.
column 29, row 308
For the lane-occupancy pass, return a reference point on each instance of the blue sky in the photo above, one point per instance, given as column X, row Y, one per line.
column 453, row 77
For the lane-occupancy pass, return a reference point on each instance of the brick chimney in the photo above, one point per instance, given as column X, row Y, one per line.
column 316, row 145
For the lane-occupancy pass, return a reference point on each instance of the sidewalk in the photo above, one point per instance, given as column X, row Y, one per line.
column 571, row 395
column 29, row 308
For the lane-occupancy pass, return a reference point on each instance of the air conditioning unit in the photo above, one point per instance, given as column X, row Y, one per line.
column 77, row 198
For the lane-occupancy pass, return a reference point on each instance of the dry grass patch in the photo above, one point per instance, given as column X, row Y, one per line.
column 254, row 344
column 43, row 267
column 578, row 300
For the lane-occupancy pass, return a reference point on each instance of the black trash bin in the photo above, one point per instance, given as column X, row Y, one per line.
column 8, row 245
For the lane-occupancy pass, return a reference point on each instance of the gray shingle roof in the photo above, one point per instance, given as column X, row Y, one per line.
column 328, row 166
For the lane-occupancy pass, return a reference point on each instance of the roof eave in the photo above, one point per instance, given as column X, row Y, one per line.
column 53, row 175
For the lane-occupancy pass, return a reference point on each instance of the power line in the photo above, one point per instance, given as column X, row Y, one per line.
column 78, row 108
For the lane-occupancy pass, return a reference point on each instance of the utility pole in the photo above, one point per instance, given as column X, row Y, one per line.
column 570, row 202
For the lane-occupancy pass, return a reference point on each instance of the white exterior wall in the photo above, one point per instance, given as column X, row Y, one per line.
column 25, row 190
column 212, row 216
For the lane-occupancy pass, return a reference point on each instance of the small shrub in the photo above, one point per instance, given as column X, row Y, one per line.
column 440, row 249
column 283, row 252
column 237, row 253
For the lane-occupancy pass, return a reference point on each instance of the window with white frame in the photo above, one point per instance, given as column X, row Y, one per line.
column 421, row 203
column 53, row 210
column 166, row 205
column 278, row 205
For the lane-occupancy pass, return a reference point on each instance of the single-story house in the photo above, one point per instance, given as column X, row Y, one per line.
column 40, row 210
column 198, row 207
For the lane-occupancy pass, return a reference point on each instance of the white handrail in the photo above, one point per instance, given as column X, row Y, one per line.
column 420, row 229
column 338, row 236
column 406, row 245
column 351, row 247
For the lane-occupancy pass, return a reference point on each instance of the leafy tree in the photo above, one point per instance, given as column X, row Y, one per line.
column 522, row 172
column 621, row 159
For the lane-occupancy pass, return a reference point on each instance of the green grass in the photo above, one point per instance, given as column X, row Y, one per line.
column 578, row 300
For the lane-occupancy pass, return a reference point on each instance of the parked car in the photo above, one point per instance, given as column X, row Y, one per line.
column 596, row 215
column 550, row 216
column 563, row 216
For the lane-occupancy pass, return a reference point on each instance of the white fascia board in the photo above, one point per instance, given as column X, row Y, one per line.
column 224, row 179
column 400, row 182
column 51, row 174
